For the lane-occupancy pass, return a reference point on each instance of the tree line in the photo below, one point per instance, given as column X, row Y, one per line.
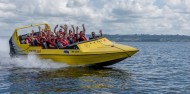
column 148, row 38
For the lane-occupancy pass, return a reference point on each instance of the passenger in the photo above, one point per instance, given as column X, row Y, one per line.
column 82, row 35
column 58, row 41
column 32, row 34
column 43, row 39
column 51, row 41
column 59, row 35
column 60, row 32
column 75, row 38
column 33, row 38
column 93, row 35
column 28, row 39
column 62, row 41
column 38, row 38
column 65, row 28
column 43, row 34
column 71, row 35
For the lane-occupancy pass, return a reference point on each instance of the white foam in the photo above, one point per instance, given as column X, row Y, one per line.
column 30, row 61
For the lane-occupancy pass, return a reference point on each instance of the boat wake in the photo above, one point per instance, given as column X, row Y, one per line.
column 30, row 61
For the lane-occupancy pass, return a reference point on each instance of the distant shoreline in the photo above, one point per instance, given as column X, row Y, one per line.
column 143, row 38
column 148, row 38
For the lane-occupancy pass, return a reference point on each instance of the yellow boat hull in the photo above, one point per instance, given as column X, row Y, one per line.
column 97, row 52
column 89, row 59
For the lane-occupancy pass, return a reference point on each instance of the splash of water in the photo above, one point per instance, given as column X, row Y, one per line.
column 30, row 61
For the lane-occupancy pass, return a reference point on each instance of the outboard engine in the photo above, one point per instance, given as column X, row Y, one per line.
column 12, row 50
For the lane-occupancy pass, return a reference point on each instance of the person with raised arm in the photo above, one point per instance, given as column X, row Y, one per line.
column 33, row 38
column 38, row 37
column 43, row 39
column 51, row 41
column 93, row 35
column 75, row 39
column 60, row 32
column 71, row 35
column 82, row 34
column 65, row 28
column 61, row 40
column 28, row 39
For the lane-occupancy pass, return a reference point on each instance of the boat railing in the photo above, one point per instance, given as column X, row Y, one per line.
column 34, row 25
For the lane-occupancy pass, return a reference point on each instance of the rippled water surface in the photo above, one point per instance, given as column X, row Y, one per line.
column 156, row 68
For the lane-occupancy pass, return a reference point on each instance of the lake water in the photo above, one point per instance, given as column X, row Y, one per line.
column 156, row 68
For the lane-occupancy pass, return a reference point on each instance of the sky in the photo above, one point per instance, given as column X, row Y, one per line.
column 112, row 16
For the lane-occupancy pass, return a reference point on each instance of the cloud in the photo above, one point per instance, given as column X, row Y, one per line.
column 113, row 16
column 7, row 7
column 77, row 3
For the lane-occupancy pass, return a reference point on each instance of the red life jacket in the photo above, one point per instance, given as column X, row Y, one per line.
column 38, row 38
column 64, row 42
column 43, row 39
column 28, row 40
column 58, row 39
column 83, row 38
column 43, row 34
column 75, row 40
column 51, row 42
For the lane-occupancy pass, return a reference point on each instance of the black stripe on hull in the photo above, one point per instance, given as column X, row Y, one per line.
column 107, row 63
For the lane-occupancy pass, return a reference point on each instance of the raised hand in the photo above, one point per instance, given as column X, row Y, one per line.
column 77, row 28
column 84, row 30
column 72, row 26
column 61, row 26
column 56, row 26
column 39, row 27
column 65, row 26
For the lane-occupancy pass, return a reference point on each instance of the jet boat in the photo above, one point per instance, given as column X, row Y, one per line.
column 96, row 52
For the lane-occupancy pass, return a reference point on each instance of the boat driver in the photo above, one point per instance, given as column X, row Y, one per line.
column 93, row 35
